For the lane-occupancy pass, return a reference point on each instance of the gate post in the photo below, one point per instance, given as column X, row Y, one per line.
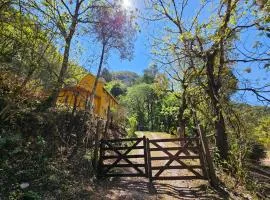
column 209, row 161
column 145, row 156
column 100, row 161
column 96, row 147
column 202, row 157
column 149, row 161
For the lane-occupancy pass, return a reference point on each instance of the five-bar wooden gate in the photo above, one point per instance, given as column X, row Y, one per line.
column 146, row 164
column 112, row 152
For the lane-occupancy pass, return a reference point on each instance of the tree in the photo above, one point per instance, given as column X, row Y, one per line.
column 25, row 58
column 142, row 102
column 65, row 17
column 116, row 88
column 209, row 47
column 114, row 30
column 149, row 74
column 168, row 112
column 262, row 131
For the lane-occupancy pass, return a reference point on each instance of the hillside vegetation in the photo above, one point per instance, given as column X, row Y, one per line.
column 50, row 151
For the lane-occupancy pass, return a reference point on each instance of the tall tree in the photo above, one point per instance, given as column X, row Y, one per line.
column 114, row 29
column 149, row 74
column 208, row 45
column 26, row 52
column 66, row 17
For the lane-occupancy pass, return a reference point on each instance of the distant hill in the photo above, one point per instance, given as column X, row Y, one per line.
column 126, row 77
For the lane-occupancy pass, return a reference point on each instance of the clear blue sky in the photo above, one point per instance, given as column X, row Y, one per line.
column 142, row 56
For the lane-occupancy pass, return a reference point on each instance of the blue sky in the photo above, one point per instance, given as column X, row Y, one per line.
column 142, row 55
column 142, row 50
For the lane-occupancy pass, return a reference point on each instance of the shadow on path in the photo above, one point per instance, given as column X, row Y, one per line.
column 141, row 188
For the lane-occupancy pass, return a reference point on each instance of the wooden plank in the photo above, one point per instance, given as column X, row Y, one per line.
column 125, row 165
column 100, row 164
column 125, row 175
column 125, row 140
column 145, row 156
column 178, row 177
column 149, row 161
column 96, row 146
column 127, row 156
column 122, row 156
column 122, row 148
column 172, row 158
column 173, row 139
column 208, row 158
column 178, row 157
column 174, row 148
column 202, row 159
column 178, row 167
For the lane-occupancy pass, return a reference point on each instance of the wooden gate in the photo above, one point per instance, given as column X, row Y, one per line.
column 117, row 154
column 120, row 153
column 181, row 149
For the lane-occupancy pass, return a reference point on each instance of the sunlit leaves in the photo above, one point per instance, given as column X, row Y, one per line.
column 233, row 20
column 185, row 36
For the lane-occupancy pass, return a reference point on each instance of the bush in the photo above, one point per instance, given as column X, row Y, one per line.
column 133, row 123
column 30, row 195
column 31, row 142
column 257, row 152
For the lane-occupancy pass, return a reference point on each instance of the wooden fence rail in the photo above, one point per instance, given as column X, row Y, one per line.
column 119, row 154
column 109, row 162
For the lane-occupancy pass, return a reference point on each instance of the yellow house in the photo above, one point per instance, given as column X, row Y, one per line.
column 77, row 96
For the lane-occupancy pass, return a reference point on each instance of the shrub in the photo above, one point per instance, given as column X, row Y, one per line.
column 257, row 152
column 133, row 123
column 30, row 195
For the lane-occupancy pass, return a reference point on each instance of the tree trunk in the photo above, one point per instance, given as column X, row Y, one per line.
column 62, row 72
column 213, row 88
column 89, row 104
column 151, row 116
column 68, row 38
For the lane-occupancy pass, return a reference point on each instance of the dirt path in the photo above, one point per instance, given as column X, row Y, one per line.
column 266, row 161
column 139, row 188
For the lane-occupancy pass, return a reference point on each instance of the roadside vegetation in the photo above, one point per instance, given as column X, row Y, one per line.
column 48, row 152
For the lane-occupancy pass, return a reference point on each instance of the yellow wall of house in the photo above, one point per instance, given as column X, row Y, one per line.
column 102, row 98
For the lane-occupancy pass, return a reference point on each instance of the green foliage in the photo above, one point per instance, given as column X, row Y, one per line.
column 169, row 112
column 149, row 74
column 31, row 195
column 29, row 64
column 32, row 144
column 262, row 131
column 140, row 101
column 257, row 152
column 116, row 88
column 133, row 123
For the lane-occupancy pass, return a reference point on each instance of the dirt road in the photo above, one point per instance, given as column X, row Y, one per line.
column 139, row 188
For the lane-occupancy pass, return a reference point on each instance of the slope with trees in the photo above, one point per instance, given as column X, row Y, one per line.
column 47, row 151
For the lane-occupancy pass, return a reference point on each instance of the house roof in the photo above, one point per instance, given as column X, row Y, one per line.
column 78, row 88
